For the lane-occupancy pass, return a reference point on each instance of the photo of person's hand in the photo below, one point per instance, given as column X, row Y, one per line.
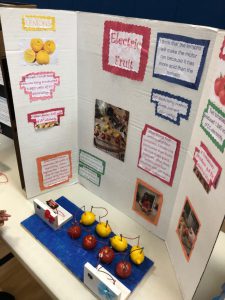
column 4, row 216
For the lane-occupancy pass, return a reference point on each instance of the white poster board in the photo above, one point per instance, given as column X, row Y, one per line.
column 143, row 113
column 41, row 52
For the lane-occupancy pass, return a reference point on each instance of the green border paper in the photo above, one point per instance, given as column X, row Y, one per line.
column 81, row 165
column 93, row 169
column 210, row 136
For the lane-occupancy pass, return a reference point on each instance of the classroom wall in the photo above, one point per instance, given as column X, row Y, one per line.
column 206, row 13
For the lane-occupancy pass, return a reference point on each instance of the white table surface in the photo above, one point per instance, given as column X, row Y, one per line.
column 159, row 283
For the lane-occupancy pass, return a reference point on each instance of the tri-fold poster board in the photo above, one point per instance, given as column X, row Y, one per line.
column 134, row 110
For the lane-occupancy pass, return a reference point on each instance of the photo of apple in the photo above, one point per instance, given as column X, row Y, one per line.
column 219, row 88
column 106, row 255
column 123, row 269
column 89, row 242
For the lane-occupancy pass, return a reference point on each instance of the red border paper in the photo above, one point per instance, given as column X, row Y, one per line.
column 176, row 154
column 130, row 28
column 31, row 119
column 30, row 93
column 203, row 146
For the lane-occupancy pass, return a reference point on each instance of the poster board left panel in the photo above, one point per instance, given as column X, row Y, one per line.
column 41, row 55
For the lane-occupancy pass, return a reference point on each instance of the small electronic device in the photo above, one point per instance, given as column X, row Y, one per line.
column 51, row 213
column 103, row 284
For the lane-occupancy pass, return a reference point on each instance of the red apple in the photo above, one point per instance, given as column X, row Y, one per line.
column 89, row 242
column 74, row 231
column 123, row 269
column 106, row 255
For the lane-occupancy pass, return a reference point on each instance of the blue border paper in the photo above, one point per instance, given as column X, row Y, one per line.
column 171, row 96
column 188, row 40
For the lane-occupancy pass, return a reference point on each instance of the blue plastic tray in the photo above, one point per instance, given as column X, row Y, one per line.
column 71, row 253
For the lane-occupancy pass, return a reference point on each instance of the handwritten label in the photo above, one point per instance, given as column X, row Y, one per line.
column 38, row 23
column 213, row 124
column 46, row 118
column 54, row 169
column 93, row 162
column 39, row 85
column 180, row 59
column 170, row 107
column 207, row 165
column 4, row 112
column 89, row 174
column 158, row 154
column 125, row 49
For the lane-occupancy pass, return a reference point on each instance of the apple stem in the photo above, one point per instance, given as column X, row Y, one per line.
column 91, row 208
column 121, row 237
column 106, row 223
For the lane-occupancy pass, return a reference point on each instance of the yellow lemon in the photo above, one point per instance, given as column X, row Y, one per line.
column 42, row 57
column 137, row 255
column 103, row 229
column 119, row 243
column 49, row 46
column 29, row 55
column 36, row 44
column 87, row 218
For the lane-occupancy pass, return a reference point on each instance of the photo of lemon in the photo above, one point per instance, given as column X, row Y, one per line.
column 36, row 44
column 42, row 57
column 40, row 51
column 29, row 56
column 49, row 46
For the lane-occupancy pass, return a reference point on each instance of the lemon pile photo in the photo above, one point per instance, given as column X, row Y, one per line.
column 39, row 51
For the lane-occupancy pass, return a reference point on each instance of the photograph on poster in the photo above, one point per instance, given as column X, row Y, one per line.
column 147, row 202
column 219, row 88
column 110, row 129
column 39, row 51
column 188, row 229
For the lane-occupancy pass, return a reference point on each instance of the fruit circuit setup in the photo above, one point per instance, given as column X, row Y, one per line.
column 83, row 240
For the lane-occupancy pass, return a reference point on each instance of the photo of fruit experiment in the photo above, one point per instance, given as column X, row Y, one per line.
column 112, row 142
